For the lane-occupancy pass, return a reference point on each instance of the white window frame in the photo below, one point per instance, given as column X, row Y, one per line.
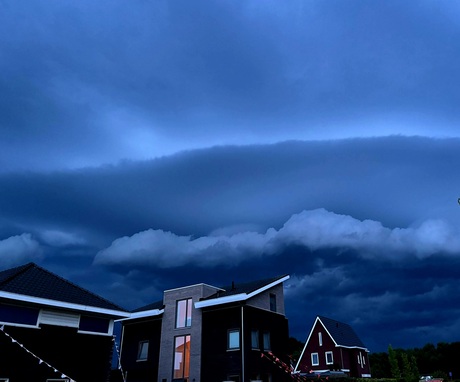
column 320, row 338
column 331, row 362
column 230, row 336
column 317, row 359
column 139, row 351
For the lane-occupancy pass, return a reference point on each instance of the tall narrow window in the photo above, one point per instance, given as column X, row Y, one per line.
column 266, row 339
column 329, row 358
column 314, row 359
column 233, row 339
column 273, row 302
column 143, row 351
column 184, row 313
column 181, row 357
column 320, row 339
column 255, row 339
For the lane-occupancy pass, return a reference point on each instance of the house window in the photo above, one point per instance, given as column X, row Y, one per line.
column 255, row 339
column 143, row 350
column 233, row 339
column 320, row 339
column 314, row 359
column 266, row 341
column 181, row 357
column 273, row 302
column 184, row 313
column 94, row 324
column 361, row 359
column 329, row 358
column 4, row 379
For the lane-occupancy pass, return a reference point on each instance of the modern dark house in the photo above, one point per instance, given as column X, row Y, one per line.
column 202, row 333
column 333, row 346
column 52, row 329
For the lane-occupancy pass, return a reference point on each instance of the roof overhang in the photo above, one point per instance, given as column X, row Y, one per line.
column 144, row 313
column 62, row 304
column 352, row 347
column 238, row 297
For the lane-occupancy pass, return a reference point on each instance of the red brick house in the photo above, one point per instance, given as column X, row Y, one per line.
column 334, row 346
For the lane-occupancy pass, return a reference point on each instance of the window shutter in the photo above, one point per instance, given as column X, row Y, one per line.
column 59, row 318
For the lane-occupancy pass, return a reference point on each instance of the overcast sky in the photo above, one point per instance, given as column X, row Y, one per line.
column 146, row 145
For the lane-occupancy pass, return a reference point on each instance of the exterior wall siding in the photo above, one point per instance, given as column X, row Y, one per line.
column 221, row 364
column 133, row 332
column 262, row 300
column 344, row 358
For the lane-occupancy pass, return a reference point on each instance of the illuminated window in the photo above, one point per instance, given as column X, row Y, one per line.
column 143, row 351
column 184, row 313
column 314, row 359
column 320, row 339
column 329, row 358
column 181, row 357
column 233, row 339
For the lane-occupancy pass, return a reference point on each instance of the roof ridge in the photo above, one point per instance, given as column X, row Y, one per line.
column 15, row 272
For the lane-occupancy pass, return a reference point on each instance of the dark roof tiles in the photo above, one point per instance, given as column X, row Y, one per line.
column 155, row 305
column 343, row 334
column 35, row 281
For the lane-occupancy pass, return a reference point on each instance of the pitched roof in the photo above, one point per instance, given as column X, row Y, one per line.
column 36, row 282
column 240, row 291
column 247, row 287
column 153, row 306
column 342, row 334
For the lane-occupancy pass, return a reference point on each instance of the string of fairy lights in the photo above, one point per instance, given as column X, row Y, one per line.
column 63, row 375
column 119, row 359
column 40, row 361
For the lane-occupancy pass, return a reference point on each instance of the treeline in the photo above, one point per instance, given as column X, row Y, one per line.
column 440, row 361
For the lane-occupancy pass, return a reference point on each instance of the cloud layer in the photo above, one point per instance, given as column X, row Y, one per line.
column 93, row 83
column 317, row 229
column 149, row 144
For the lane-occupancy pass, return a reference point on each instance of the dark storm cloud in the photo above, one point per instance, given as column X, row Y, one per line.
column 88, row 83
column 395, row 181
column 367, row 228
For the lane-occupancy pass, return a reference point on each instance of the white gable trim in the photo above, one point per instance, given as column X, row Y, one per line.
column 61, row 304
column 238, row 297
column 327, row 331
column 341, row 346
column 306, row 343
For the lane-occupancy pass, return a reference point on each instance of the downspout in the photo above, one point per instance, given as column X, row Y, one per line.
column 121, row 349
column 341, row 357
column 242, row 344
